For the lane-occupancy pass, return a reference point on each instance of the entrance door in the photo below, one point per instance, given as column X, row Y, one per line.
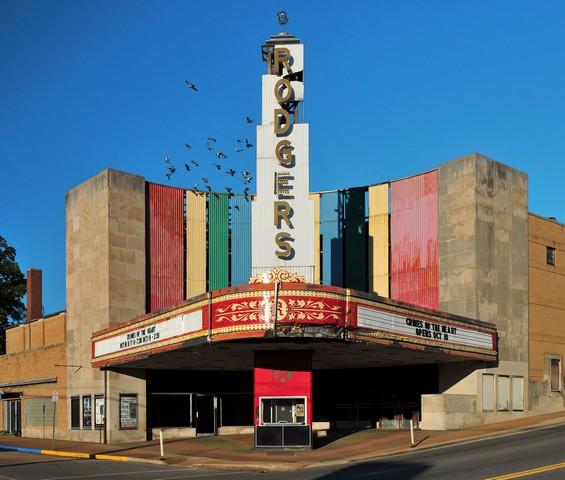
column 13, row 421
column 205, row 424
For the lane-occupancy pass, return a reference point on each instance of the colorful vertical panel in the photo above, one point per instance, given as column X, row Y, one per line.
column 331, row 221
column 166, row 246
column 240, row 240
column 218, row 241
column 315, row 199
column 414, row 240
column 195, row 244
column 378, row 240
column 355, row 239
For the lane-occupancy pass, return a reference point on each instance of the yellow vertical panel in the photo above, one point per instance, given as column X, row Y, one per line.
column 315, row 199
column 379, row 240
column 195, row 244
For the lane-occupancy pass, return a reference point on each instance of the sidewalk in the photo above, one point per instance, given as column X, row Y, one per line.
column 237, row 452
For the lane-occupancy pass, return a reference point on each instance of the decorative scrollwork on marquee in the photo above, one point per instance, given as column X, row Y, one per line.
column 288, row 310
column 277, row 275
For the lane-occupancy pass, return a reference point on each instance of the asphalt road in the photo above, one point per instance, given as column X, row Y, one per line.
column 519, row 454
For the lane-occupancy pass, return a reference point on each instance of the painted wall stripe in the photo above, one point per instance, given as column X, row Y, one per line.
column 378, row 240
column 240, row 208
column 331, row 221
column 195, row 244
column 218, row 263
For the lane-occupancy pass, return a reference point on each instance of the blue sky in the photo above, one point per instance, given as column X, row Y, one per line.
column 391, row 89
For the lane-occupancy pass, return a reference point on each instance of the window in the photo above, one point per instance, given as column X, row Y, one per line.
column 555, row 374
column 488, row 392
column 87, row 412
column 503, row 403
column 128, row 411
column 99, row 411
column 285, row 410
column 518, row 393
column 75, row 412
column 550, row 256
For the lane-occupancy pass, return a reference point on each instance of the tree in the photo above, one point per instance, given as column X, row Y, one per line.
column 12, row 289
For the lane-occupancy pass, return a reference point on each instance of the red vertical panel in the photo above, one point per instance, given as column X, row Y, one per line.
column 414, row 234
column 166, row 246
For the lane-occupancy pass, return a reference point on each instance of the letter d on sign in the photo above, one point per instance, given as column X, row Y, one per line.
column 282, row 128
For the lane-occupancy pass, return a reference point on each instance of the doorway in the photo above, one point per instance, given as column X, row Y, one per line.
column 205, row 415
column 13, row 416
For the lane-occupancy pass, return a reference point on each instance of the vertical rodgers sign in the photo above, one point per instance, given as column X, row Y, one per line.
column 282, row 211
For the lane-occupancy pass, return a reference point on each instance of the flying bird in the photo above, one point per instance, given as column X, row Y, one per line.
column 238, row 150
column 194, row 162
column 221, row 155
column 231, row 172
column 248, row 119
column 188, row 145
column 218, row 166
column 247, row 144
column 195, row 187
column 187, row 167
column 171, row 171
column 191, row 85
column 210, row 146
column 204, row 179
column 212, row 139
column 245, row 173
column 209, row 188
column 247, row 180
column 229, row 189
column 167, row 159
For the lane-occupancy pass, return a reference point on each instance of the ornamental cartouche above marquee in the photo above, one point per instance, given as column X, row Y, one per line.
column 282, row 211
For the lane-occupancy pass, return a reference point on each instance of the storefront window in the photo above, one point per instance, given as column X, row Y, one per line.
column 98, row 411
column 87, row 412
column 128, row 411
column 283, row 410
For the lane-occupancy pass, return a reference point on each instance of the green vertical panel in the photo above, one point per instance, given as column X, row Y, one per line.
column 355, row 239
column 218, row 261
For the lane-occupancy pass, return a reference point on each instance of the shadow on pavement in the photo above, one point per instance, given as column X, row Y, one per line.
column 381, row 470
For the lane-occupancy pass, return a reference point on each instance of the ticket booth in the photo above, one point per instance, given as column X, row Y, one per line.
column 283, row 399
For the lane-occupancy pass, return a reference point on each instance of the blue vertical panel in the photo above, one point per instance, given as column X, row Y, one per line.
column 331, row 231
column 240, row 240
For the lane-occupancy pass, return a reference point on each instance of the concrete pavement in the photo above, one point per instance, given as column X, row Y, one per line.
column 236, row 452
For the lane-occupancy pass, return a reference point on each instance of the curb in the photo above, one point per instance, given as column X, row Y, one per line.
column 92, row 456
column 120, row 458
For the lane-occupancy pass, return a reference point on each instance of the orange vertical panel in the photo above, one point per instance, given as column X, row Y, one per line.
column 195, row 244
column 379, row 240
column 315, row 199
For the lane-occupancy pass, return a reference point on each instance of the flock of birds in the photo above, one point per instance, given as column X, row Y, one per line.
column 240, row 145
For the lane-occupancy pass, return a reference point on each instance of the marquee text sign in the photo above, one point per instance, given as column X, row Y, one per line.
column 150, row 334
column 424, row 329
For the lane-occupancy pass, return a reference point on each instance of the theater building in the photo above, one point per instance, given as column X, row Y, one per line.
column 434, row 298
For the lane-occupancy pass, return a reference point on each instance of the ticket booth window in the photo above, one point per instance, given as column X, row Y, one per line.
column 283, row 422
column 283, row 410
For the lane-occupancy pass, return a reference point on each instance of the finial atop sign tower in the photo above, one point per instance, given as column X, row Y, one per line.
column 282, row 17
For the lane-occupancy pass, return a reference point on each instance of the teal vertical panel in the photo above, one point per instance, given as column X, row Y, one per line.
column 331, row 230
column 355, row 239
column 240, row 207
column 218, row 263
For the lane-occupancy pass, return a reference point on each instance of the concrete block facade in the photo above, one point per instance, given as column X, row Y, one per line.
column 483, row 272
column 105, row 286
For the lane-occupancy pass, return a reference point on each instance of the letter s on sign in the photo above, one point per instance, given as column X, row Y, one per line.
column 286, row 251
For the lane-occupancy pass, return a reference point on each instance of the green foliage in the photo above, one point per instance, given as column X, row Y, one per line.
column 12, row 289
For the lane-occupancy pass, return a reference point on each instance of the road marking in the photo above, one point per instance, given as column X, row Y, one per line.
column 170, row 470
column 525, row 473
